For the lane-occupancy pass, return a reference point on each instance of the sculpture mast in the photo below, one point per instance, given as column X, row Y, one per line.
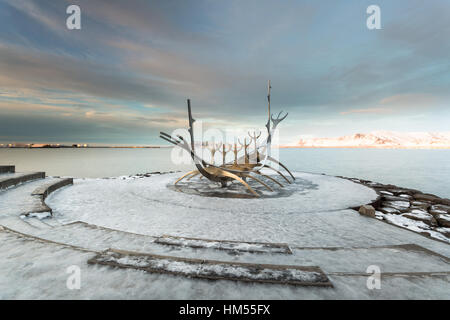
column 268, row 97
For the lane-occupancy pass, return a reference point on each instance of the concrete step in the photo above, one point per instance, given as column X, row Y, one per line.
column 214, row 270
column 242, row 246
column 96, row 238
column 29, row 197
column 13, row 179
column 45, row 189
column 36, row 223
column 395, row 258
column 17, row 224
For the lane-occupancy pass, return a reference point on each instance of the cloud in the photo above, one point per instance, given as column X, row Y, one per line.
column 410, row 100
column 135, row 63
column 369, row 110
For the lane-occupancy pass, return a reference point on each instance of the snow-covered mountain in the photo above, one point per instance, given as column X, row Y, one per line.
column 381, row 139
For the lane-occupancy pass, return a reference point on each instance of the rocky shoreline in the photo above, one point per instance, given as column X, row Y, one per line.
column 412, row 209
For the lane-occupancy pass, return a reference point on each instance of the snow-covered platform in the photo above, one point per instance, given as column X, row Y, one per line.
column 152, row 206
column 308, row 224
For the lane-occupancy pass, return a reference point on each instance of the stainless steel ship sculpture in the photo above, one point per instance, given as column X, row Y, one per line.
column 248, row 166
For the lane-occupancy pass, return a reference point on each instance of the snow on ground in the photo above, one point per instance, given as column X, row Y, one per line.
column 148, row 206
column 36, row 270
column 311, row 213
column 313, row 217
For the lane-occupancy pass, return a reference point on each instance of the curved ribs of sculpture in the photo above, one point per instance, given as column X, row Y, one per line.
column 234, row 170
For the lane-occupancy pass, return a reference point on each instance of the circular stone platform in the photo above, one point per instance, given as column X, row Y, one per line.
column 152, row 206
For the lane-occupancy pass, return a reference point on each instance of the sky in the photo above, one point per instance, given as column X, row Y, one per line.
column 126, row 74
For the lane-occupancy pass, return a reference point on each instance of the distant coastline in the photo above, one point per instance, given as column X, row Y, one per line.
column 51, row 146
column 379, row 140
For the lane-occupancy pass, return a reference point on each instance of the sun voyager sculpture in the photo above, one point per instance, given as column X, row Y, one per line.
column 242, row 168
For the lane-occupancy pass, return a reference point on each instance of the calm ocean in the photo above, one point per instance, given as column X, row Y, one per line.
column 426, row 170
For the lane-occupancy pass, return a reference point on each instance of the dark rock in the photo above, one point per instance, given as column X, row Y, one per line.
column 435, row 213
column 399, row 205
column 440, row 207
column 420, row 204
column 393, row 198
column 400, row 191
column 425, row 196
column 389, row 210
column 443, row 220
column 444, row 231
column 420, row 215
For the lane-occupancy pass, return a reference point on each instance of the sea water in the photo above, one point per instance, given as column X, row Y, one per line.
column 425, row 170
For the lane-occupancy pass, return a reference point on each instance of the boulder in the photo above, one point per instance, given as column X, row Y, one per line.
column 367, row 210
column 393, row 198
column 421, row 215
column 389, row 210
column 435, row 213
column 444, row 231
column 399, row 205
column 420, row 204
column 424, row 196
column 443, row 220
column 432, row 198
column 401, row 191
column 441, row 207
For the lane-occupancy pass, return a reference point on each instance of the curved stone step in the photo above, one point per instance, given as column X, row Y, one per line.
column 25, row 257
column 101, row 238
column 36, row 222
column 18, row 225
column 29, row 197
column 44, row 190
column 396, row 258
column 242, row 246
column 16, row 178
